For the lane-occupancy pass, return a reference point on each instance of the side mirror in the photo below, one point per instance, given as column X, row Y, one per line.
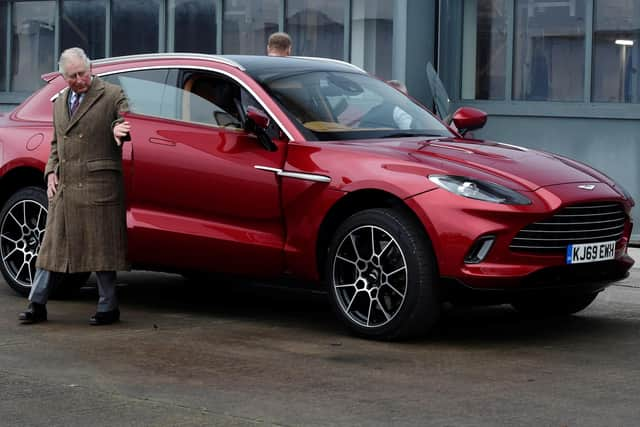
column 257, row 122
column 260, row 119
column 467, row 118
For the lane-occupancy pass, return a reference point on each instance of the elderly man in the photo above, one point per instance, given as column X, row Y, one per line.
column 279, row 44
column 86, row 225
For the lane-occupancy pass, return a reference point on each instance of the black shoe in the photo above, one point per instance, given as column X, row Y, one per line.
column 34, row 314
column 105, row 317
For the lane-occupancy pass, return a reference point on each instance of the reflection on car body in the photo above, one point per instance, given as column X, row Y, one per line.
column 295, row 167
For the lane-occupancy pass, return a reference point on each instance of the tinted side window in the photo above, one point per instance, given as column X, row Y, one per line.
column 210, row 99
column 150, row 92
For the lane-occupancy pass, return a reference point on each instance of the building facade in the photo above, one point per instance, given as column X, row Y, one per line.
column 559, row 75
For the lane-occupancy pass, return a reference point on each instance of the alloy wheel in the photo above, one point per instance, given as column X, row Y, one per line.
column 370, row 276
column 21, row 234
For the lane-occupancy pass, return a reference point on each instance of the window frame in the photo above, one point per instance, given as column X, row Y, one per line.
column 510, row 107
column 166, row 39
column 224, row 73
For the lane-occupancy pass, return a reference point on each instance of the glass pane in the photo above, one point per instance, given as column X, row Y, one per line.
column 83, row 24
column 195, row 26
column 3, row 44
column 331, row 106
column 149, row 92
column 372, row 35
column 134, row 27
column 616, row 51
column 316, row 27
column 484, row 49
column 33, row 36
column 248, row 24
column 548, row 58
column 210, row 100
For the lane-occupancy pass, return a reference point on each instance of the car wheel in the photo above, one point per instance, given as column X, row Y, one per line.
column 551, row 305
column 22, row 224
column 382, row 275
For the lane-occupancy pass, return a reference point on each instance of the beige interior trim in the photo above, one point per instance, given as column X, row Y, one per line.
column 186, row 99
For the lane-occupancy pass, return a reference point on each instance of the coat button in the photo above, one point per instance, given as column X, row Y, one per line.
column 80, row 136
column 80, row 185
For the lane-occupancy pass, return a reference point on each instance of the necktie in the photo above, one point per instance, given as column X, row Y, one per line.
column 74, row 105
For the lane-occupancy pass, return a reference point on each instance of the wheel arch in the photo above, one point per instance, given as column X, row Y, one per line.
column 17, row 178
column 350, row 204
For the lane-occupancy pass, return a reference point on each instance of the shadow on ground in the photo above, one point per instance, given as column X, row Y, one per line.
column 309, row 309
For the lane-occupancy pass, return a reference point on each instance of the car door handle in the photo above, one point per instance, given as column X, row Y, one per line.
column 296, row 175
column 162, row 141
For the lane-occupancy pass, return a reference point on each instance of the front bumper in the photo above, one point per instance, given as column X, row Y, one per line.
column 455, row 223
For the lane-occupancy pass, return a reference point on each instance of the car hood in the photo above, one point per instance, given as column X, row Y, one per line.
column 515, row 167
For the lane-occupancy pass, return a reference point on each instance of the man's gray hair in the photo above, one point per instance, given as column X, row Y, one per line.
column 72, row 52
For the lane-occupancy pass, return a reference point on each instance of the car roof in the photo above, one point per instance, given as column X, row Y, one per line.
column 256, row 63
column 258, row 66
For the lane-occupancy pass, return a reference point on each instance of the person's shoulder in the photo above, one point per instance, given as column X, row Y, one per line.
column 109, row 87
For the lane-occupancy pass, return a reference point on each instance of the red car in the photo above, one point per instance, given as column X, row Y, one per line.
column 310, row 169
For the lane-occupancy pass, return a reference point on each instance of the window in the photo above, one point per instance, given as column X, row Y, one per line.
column 341, row 106
column 134, row 27
column 3, row 45
column 616, row 51
column 316, row 27
column 200, row 98
column 195, row 26
column 248, row 24
column 548, row 58
column 371, row 36
column 150, row 92
column 209, row 99
column 83, row 25
column 33, row 41
column 484, row 49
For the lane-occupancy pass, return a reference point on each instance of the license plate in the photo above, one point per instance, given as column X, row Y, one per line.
column 590, row 252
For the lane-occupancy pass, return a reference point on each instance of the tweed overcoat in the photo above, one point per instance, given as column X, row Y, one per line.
column 86, row 223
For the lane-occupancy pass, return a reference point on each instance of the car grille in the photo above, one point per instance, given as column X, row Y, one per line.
column 597, row 222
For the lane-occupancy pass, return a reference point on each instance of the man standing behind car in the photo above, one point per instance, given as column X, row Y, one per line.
column 279, row 44
column 86, row 224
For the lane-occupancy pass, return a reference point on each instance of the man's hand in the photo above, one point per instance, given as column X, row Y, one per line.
column 52, row 185
column 120, row 130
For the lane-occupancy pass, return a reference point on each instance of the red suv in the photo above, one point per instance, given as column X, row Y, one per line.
column 310, row 169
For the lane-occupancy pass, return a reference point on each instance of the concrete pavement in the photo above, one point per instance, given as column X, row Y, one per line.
column 197, row 356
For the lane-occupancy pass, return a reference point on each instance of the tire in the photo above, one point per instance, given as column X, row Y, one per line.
column 551, row 305
column 22, row 226
column 382, row 275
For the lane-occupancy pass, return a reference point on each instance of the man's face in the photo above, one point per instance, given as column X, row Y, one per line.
column 77, row 75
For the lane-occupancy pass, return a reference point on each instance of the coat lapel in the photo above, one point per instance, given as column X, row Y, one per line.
column 96, row 90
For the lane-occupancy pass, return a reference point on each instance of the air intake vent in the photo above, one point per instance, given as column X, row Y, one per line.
column 597, row 222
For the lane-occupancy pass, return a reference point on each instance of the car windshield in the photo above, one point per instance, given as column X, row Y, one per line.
column 330, row 105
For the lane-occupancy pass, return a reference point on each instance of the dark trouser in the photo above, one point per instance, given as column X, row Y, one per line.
column 45, row 280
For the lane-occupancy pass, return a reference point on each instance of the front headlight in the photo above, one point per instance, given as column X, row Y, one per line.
column 479, row 190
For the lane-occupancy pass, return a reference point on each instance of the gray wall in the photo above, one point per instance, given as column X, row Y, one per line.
column 414, row 44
